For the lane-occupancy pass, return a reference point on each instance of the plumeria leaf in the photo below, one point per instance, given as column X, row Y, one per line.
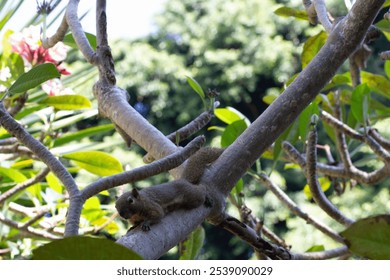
column 193, row 244
column 229, row 115
column 69, row 40
column 325, row 185
column 96, row 162
column 36, row 76
column 196, row 87
column 312, row 47
column 73, row 136
column 360, row 99
column 290, row 12
column 13, row 174
column 67, row 102
column 84, row 248
column 232, row 131
column 370, row 237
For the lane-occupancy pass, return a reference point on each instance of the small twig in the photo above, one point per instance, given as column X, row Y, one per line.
column 371, row 178
column 251, row 237
column 340, row 126
column 294, row 208
column 385, row 143
column 24, row 185
column 367, row 139
column 322, row 255
column 322, row 14
column 186, row 131
column 29, row 230
column 78, row 32
column 341, row 142
column 315, row 187
column 8, row 141
column 162, row 165
column 17, row 130
column 58, row 36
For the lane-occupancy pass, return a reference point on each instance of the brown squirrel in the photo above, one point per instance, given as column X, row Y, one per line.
column 148, row 206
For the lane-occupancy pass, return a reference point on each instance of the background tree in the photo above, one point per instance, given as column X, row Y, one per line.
column 236, row 66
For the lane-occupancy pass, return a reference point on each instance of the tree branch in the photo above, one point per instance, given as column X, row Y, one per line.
column 294, row 208
column 315, row 187
column 223, row 174
column 146, row 171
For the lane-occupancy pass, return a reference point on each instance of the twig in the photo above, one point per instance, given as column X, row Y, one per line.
column 322, row 14
column 341, row 127
column 24, row 185
column 294, row 208
column 385, row 143
column 371, row 178
column 29, row 230
column 78, row 32
column 315, row 187
column 58, row 36
column 186, row 131
column 162, row 165
column 251, row 237
column 14, row 128
column 341, row 143
column 322, row 255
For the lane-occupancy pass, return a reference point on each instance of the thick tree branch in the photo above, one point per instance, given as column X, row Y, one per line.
column 223, row 174
column 146, row 171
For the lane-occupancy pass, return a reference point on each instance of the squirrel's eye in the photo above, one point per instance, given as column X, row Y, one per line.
column 130, row 200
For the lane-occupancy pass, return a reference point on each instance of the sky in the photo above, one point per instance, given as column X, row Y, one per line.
column 126, row 19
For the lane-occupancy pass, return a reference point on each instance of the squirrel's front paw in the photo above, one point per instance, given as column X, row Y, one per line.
column 145, row 226
column 208, row 202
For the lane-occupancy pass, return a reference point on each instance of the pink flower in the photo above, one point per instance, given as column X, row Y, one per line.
column 28, row 44
column 55, row 87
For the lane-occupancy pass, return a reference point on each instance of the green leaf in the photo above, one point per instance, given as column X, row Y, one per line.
column 92, row 210
column 312, row 47
column 16, row 64
column 196, row 87
column 36, row 76
column 69, row 137
column 325, row 185
column 98, row 163
column 304, row 119
column 83, row 248
column 67, row 102
column 370, row 237
column 54, row 183
column 316, row 248
column 232, row 131
column 384, row 26
column 69, row 40
column 359, row 101
column 13, row 174
column 229, row 115
column 290, row 12
column 339, row 80
column 387, row 68
column 193, row 244
column 377, row 83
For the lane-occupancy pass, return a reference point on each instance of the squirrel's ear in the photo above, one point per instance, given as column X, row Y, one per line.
column 135, row 193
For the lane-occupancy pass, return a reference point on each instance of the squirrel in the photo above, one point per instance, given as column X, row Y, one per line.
column 148, row 206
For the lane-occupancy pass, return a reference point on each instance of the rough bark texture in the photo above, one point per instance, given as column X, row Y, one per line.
column 233, row 163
